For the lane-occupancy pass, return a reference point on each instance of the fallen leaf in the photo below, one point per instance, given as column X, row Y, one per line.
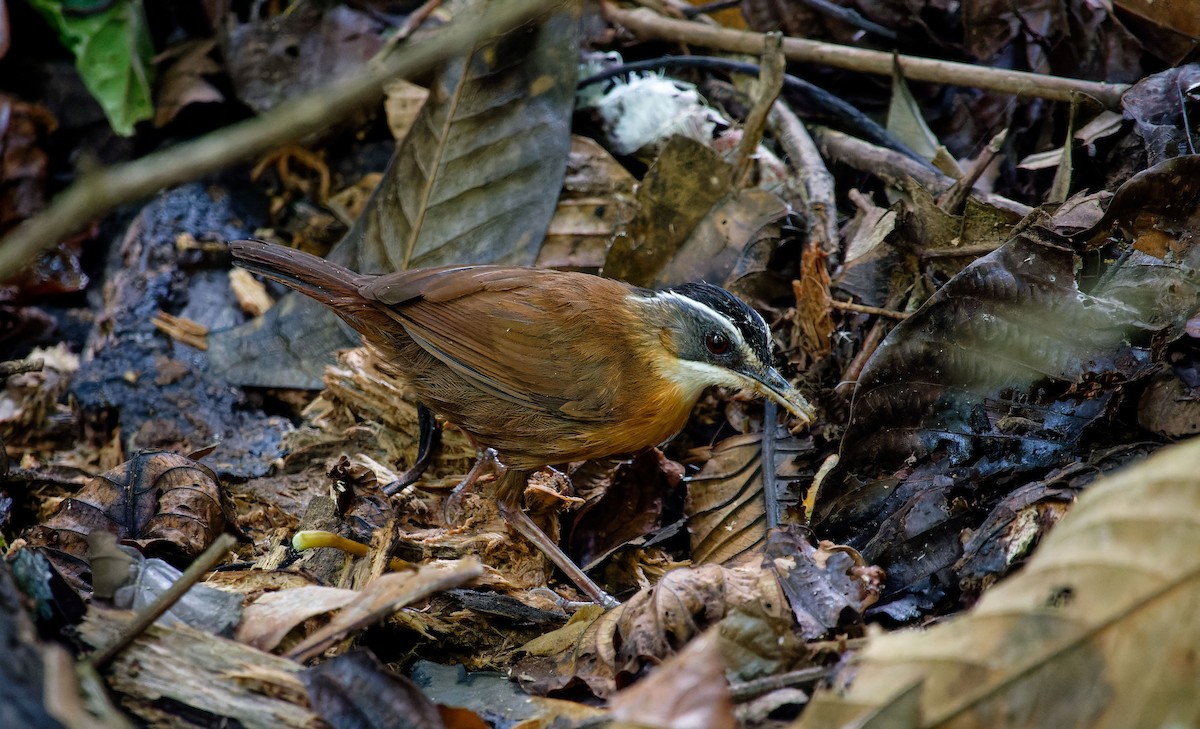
column 688, row 691
column 273, row 615
column 355, row 691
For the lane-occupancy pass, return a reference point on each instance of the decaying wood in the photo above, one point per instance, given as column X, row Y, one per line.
column 216, row 681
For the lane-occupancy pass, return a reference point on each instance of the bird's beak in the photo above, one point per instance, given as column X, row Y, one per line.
column 781, row 391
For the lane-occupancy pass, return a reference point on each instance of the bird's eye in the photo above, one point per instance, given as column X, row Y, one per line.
column 716, row 342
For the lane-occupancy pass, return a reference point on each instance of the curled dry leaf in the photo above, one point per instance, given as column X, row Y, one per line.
column 658, row 621
column 1159, row 116
column 183, row 81
column 166, row 504
column 827, row 586
column 627, row 507
column 814, row 323
column 273, row 615
column 1099, row 630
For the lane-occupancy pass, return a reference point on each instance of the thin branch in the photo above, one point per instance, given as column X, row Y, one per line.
column 770, row 82
column 971, row 251
column 818, row 187
column 892, row 167
column 864, row 309
column 95, row 193
column 646, row 25
column 20, row 366
column 952, row 199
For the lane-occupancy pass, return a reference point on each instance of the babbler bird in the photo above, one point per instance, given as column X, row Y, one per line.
column 543, row 367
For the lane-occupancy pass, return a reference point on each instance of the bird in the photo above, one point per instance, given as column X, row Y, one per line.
column 540, row 367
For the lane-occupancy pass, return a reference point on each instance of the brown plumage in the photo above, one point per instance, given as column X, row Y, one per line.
column 543, row 366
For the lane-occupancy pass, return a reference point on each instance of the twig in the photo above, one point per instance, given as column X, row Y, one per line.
column 95, row 193
column 743, row 690
column 864, row 309
column 20, row 366
column 979, row 249
column 871, row 342
column 817, row 185
column 952, row 199
column 770, row 82
column 647, row 25
column 850, row 17
column 892, row 167
column 163, row 603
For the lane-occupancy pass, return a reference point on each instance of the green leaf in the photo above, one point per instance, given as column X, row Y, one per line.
column 113, row 54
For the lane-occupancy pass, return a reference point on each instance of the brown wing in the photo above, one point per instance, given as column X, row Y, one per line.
column 518, row 333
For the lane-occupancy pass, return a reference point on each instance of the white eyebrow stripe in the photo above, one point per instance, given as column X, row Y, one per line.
column 708, row 311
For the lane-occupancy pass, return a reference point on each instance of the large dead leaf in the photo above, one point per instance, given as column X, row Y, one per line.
column 356, row 690
column 626, row 505
column 474, row 181
column 690, row 226
column 597, row 201
column 762, row 612
column 1099, row 630
column 1157, row 105
column 725, row 504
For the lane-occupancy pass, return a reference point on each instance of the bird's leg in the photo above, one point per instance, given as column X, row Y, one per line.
column 427, row 443
column 487, row 463
column 509, row 494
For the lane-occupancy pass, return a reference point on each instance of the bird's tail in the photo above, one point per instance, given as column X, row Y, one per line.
column 310, row 275
column 335, row 286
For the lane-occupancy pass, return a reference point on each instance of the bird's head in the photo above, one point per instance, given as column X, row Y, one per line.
column 714, row 338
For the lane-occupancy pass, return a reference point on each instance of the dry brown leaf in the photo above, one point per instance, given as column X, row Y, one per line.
column 680, row 188
column 688, row 691
column 183, row 82
column 268, row 619
column 597, row 201
column 689, row 226
column 814, row 324
column 387, row 594
column 1099, row 630
column 1179, row 16
column 356, row 690
column 725, row 508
